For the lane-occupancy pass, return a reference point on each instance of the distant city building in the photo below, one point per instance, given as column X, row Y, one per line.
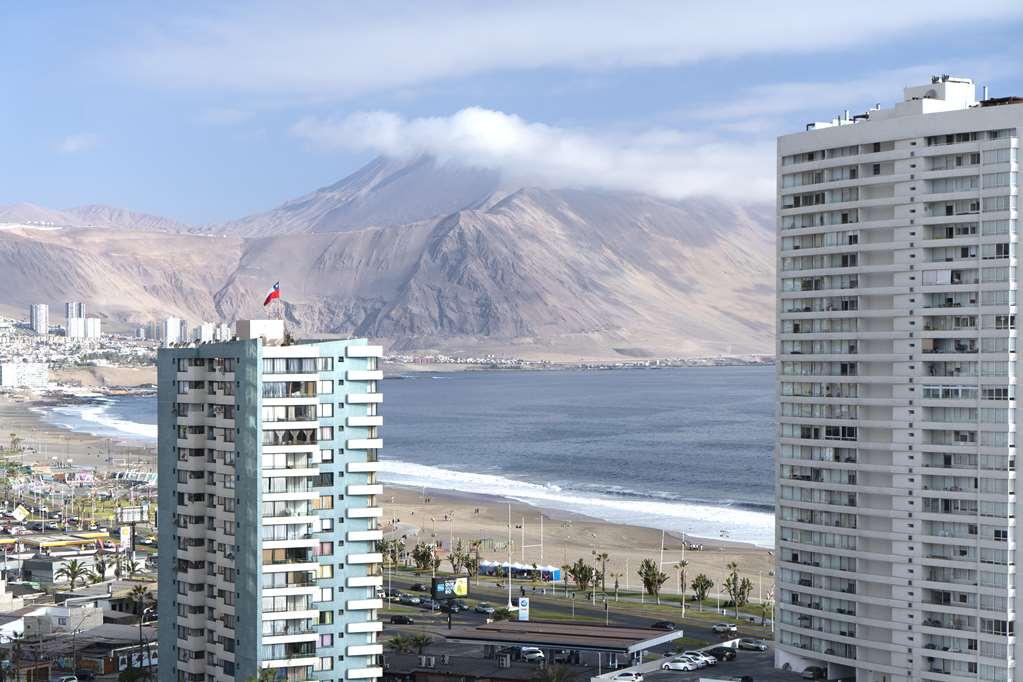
column 205, row 332
column 73, row 309
column 140, row 333
column 172, row 331
column 183, row 334
column 897, row 371
column 223, row 332
column 24, row 375
column 39, row 318
column 269, row 518
column 83, row 328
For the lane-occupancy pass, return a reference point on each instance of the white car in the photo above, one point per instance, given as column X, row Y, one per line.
column 725, row 628
column 531, row 654
column 486, row 608
column 628, row 676
column 680, row 663
column 699, row 655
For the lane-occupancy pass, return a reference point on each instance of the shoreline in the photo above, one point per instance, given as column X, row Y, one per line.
column 449, row 514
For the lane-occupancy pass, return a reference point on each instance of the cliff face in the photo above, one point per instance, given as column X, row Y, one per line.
column 423, row 257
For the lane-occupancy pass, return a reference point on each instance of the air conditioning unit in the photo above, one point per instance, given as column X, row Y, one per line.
column 445, row 659
column 428, row 661
column 504, row 661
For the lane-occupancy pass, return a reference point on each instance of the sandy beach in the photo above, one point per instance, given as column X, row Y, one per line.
column 437, row 514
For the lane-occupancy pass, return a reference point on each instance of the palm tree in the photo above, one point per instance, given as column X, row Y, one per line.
column 131, row 567
column 72, row 571
column 501, row 614
column 400, row 644
column 419, row 642
column 555, row 673
column 681, row 568
column 265, row 675
column 602, row 557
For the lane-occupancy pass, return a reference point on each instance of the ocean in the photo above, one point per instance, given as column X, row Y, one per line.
column 684, row 450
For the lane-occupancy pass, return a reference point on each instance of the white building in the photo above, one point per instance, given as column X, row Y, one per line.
column 269, row 522
column 73, row 309
column 897, row 275
column 223, row 332
column 172, row 331
column 39, row 318
column 83, row 328
column 204, row 332
column 24, row 375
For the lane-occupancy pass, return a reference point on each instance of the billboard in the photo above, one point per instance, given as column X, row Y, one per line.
column 523, row 608
column 450, row 588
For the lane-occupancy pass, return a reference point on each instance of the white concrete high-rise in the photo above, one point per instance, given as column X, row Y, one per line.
column 897, row 275
column 39, row 318
column 172, row 331
column 73, row 309
column 269, row 509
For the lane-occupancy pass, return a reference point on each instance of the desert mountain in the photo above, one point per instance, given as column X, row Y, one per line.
column 425, row 256
column 93, row 216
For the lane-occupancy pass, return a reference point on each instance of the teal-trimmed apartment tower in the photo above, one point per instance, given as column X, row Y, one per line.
column 268, row 508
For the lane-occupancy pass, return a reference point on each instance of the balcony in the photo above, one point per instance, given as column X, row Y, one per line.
column 364, row 351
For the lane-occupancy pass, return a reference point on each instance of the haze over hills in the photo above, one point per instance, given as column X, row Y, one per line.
column 428, row 256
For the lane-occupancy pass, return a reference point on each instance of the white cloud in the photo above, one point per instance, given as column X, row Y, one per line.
column 666, row 163
column 339, row 49
column 78, row 142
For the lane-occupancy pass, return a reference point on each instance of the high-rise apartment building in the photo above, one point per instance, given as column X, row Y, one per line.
column 896, row 461
column 171, row 332
column 39, row 318
column 74, row 309
column 83, row 328
column 268, row 508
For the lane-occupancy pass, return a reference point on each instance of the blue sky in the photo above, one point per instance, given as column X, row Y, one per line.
column 206, row 113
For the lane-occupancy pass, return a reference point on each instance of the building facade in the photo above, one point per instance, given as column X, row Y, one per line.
column 39, row 318
column 268, row 520
column 897, row 276
column 73, row 309
column 24, row 375
column 83, row 328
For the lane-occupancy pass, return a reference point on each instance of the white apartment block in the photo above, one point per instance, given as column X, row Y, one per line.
column 83, row 328
column 268, row 501
column 896, row 461
column 39, row 318
column 172, row 331
column 24, row 375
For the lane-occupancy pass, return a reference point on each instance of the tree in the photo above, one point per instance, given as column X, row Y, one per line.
column 701, row 587
column 142, row 597
column 457, row 557
column 617, row 578
column 565, row 570
column 425, row 557
column 555, row 673
column 401, row 644
column 419, row 642
column 602, row 557
column 16, row 444
column 738, row 588
column 131, row 567
column 391, row 549
column 72, row 571
column 653, row 578
column 472, row 559
column 681, row 568
column 582, row 574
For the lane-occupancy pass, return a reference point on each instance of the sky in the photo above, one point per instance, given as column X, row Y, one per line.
column 205, row 112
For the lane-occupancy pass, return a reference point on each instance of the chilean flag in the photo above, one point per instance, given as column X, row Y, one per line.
column 274, row 293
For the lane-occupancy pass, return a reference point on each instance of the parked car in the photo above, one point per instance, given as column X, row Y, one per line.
column 814, row 672
column 402, row 620
column 664, row 625
column 680, row 663
column 409, row 599
column 722, row 653
column 451, row 607
column 752, row 644
column 703, row 656
column 628, row 676
column 486, row 608
column 698, row 660
column 430, row 604
column 66, row 678
column 725, row 628
column 86, row 675
column 420, row 587
column 531, row 654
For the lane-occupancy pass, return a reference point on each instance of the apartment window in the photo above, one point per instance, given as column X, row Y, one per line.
column 325, row 410
column 326, row 433
column 326, row 549
column 876, row 169
column 326, row 387
column 326, row 455
column 325, row 364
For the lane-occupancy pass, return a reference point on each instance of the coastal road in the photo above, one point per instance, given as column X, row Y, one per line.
column 622, row 613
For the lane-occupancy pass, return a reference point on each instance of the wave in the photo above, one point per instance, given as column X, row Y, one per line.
column 95, row 418
column 698, row 519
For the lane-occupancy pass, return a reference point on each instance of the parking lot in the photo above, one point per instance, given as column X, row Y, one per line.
column 758, row 665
